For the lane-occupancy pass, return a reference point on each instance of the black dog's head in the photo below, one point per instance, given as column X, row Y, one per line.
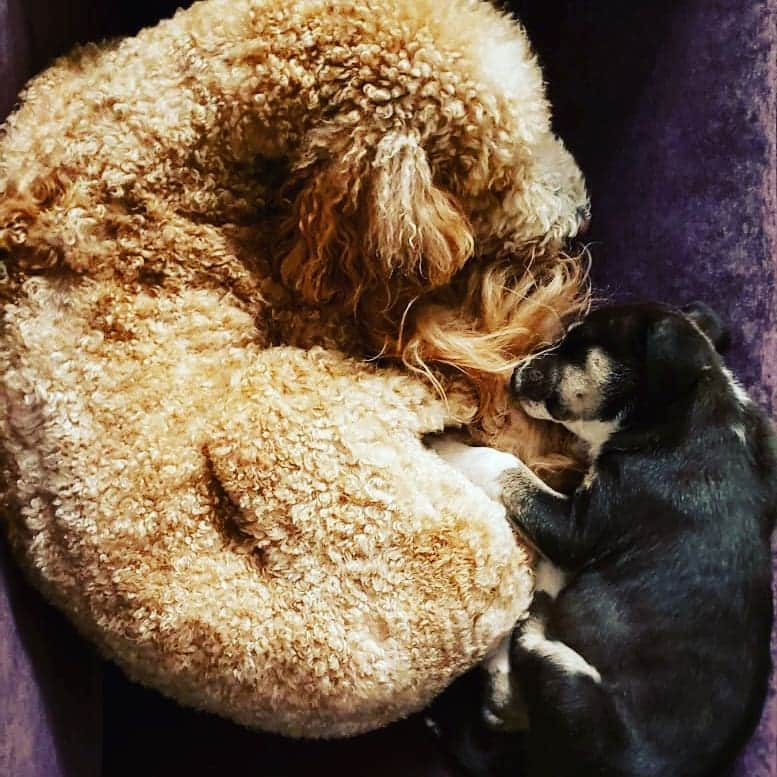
column 622, row 364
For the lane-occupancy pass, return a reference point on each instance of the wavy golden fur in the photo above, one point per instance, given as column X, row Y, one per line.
column 240, row 518
column 412, row 154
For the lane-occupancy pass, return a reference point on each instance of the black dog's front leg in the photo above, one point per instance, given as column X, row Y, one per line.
column 552, row 522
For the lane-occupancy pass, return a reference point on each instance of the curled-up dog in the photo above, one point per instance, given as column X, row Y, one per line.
column 646, row 650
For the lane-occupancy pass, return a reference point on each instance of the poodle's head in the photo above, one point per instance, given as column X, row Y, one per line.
column 443, row 209
column 397, row 214
column 454, row 165
column 534, row 207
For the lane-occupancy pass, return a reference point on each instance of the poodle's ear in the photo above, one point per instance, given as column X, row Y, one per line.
column 371, row 213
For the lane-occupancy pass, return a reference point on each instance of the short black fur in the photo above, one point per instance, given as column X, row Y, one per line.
column 667, row 551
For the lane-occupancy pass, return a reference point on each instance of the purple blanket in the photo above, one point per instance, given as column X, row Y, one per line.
column 671, row 109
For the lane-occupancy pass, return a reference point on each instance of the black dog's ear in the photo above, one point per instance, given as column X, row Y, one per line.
column 710, row 323
column 676, row 356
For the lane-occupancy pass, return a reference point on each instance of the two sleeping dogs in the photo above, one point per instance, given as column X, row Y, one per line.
column 646, row 649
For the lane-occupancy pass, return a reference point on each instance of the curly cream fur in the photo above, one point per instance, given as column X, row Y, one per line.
column 197, row 224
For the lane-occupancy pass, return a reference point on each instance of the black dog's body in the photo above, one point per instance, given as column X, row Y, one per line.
column 670, row 601
column 667, row 602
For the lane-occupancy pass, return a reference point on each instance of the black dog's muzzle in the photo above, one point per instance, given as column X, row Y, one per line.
column 536, row 379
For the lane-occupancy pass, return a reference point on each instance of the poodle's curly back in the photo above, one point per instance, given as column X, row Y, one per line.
column 196, row 223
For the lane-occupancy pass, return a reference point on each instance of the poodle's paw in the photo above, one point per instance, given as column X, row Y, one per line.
column 482, row 465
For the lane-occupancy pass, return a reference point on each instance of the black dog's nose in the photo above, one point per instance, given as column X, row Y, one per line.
column 534, row 380
column 534, row 376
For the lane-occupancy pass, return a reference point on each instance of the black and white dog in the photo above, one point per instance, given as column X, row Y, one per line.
column 646, row 650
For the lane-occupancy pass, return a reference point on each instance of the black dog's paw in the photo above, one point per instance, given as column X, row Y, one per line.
column 467, row 743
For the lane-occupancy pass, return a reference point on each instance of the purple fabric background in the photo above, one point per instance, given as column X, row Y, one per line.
column 670, row 107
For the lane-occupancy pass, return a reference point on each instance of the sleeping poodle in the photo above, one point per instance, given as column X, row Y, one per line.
column 251, row 256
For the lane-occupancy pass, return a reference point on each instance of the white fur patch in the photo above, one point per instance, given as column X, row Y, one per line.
column 533, row 640
column 589, row 478
column 482, row 465
column 503, row 62
column 598, row 366
column 737, row 389
column 582, row 389
column 505, row 709
column 498, row 667
column 536, row 410
column 532, row 480
column 498, row 660
column 549, row 579
column 595, row 433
